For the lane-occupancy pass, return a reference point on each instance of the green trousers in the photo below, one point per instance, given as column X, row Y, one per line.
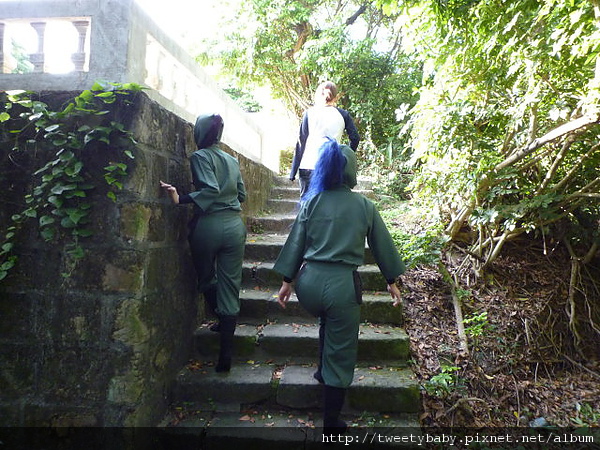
column 327, row 291
column 217, row 244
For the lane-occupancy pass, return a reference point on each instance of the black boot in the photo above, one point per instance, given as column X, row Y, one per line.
column 317, row 375
column 227, row 327
column 210, row 297
column 333, row 401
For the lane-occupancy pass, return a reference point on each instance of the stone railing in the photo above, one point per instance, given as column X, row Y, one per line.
column 25, row 33
column 126, row 46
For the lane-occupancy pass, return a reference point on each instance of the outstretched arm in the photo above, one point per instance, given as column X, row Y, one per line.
column 172, row 191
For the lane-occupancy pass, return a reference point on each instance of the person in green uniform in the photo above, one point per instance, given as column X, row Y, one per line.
column 217, row 232
column 322, row 253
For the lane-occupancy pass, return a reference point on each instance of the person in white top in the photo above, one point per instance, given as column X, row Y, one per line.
column 319, row 122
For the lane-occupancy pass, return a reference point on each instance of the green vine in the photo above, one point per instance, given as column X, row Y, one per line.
column 65, row 141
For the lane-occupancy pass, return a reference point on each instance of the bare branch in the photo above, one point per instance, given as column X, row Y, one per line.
column 591, row 252
column 556, row 133
column 462, row 400
column 592, row 184
column 533, row 124
column 458, row 315
column 575, row 363
column 575, row 167
column 356, row 15
column 586, row 194
column 555, row 165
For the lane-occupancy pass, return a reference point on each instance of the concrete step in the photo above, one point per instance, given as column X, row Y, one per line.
column 363, row 182
column 266, row 247
column 283, row 206
column 380, row 389
column 374, row 389
column 280, row 342
column 260, row 274
column 276, row 428
column 283, row 180
column 376, row 343
column 285, row 192
column 272, row 223
column 262, row 305
column 263, row 246
column 292, row 191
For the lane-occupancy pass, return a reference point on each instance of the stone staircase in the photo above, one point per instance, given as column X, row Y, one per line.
column 270, row 396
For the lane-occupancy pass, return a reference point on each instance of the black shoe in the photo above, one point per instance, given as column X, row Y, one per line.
column 333, row 401
column 317, row 376
column 338, row 427
column 227, row 326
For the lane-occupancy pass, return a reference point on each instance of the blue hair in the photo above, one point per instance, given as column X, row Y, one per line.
column 329, row 170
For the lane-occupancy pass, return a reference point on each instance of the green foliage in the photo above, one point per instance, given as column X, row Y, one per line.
column 418, row 244
column 293, row 45
column 422, row 248
column 64, row 139
column 244, row 99
column 586, row 415
column 374, row 84
column 285, row 161
column 22, row 58
column 476, row 325
column 392, row 182
column 505, row 132
column 445, row 383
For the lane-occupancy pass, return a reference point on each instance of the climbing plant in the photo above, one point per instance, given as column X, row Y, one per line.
column 60, row 144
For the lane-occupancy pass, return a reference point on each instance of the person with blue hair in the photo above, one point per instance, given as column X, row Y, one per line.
column 323, row 251
column 217, row 232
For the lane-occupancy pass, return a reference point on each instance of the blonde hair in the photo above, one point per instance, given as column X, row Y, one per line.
column 327, row 90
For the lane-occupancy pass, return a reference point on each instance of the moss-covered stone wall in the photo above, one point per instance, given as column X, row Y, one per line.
column 102, row 346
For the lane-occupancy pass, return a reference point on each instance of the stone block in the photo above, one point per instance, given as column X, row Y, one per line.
column 384, row 390
column 17, row 376
column 123, row 271
column 243, row 385
column 135, row 221
column 206, row 342
column 298, row 389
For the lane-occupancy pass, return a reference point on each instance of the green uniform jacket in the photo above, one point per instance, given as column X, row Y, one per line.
column 331, row 227
column 217, row 179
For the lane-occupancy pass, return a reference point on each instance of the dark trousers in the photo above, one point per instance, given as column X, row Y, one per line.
column 327, row 291
column 217, row 244
column 304, row 176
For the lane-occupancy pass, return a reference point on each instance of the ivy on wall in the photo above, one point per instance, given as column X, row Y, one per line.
column 60, row 143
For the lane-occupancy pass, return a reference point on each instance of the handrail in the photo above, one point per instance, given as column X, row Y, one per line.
column 118, row 42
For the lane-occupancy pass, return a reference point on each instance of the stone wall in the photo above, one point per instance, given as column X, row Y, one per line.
column 102, row 346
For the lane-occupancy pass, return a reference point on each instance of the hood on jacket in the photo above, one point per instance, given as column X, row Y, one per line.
column 208, row 130
column 350, row 168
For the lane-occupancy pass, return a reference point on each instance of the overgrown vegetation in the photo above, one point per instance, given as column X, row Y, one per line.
column 518, row 371
column 504, row 136
column 59, row 144
column 291, row 46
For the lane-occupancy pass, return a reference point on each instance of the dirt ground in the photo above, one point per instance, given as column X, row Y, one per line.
column 523, row 365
